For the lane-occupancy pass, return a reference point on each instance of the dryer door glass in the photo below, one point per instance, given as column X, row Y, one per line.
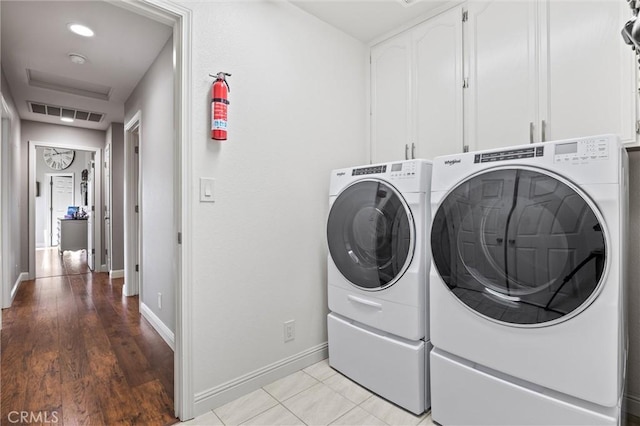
column 370, row 234
column 518, row 246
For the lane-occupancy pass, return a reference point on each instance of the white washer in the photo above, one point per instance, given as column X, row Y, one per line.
column 378, row 278
column 527, row 284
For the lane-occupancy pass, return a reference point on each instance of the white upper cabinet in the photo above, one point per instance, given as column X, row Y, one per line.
column 533, row 71
column 589, row 85
column 501, row 100
column 416, row 82
column 390, row 98
column 548, row 70
column 437, row 86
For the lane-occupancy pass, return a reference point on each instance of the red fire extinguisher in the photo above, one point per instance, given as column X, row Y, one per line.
column 219, row 102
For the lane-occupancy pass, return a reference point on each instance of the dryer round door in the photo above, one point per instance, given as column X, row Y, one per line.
column 370, row 233
column 519, row 246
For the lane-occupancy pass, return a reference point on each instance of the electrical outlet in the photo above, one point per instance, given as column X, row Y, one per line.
column 159, row 300
column 289, row 330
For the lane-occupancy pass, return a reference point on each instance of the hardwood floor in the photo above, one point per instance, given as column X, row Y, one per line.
column 75, row 351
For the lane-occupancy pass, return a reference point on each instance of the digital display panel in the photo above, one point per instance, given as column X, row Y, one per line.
column 396, row 167
column 567, row 148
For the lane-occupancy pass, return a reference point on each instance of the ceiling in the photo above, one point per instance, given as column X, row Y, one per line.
column 367, row 20
column 35, row 47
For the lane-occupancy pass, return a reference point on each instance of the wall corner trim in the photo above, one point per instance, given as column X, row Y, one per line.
column 164, row 331
column 219, row 395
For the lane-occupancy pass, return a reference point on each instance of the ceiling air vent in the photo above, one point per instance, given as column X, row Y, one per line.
column 59, row 111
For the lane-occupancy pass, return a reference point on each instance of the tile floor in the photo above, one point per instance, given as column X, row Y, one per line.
column 317, row 395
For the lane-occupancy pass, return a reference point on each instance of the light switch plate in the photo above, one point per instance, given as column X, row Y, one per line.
column 206, row 190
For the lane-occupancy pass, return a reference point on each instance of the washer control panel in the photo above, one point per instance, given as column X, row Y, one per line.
column 369, row 170
column 581, row 151
column 407, row 169
column 403, row 170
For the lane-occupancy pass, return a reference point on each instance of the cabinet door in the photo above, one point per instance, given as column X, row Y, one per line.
column 437, row 79
column 501, row 100
column 390, row 97
column 589, row 85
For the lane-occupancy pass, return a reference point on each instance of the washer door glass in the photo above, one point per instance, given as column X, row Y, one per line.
column 518, row 246
column 370, row 234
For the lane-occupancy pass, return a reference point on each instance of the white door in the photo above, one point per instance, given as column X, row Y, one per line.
column 437, row 81
column 390, row 99
column 590, row 87
column 60, row 198
column 501, row 100
column 91, row 252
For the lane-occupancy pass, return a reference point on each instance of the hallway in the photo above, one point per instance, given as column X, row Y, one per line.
column 74, row 350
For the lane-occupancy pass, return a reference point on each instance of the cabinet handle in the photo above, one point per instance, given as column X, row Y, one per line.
column 544, row 131
column 413, row 151
column 531, row 132
column 406, row 151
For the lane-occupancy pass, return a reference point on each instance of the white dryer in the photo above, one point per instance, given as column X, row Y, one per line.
column 527, row 284
column 378, row 278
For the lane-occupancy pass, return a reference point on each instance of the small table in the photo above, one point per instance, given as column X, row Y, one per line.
column 72, row 234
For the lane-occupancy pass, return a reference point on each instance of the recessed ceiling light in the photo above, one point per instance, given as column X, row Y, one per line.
column 81, row 30
column 66, row 119
column 77, row 58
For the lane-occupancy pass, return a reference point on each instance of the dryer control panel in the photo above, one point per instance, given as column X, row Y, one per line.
column 584, row 150
column 403, row 170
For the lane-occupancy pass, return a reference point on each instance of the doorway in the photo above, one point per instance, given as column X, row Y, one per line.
column 180, row 19
column 132, row 205
column 59, row 195
column 96, row 232
column 107, row 206
column 8, row 215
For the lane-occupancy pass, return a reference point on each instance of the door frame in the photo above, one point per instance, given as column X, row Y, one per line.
column 180, row 18
column 49, row 200
column 7, row 286
column 107, row 212
column 132, row 195
column 97, row 232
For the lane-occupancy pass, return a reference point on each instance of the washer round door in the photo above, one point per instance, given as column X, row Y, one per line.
column 519, row 246
column 370, row 233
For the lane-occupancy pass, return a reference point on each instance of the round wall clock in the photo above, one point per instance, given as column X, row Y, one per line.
column 58, row 158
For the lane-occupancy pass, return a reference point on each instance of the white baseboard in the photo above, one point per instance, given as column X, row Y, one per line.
column 632, row 404
column 22, row 277
column 158, row 325
column 117, row 273
column 233, row 389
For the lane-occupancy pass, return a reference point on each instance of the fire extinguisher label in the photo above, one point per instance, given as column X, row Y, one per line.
column 218, row 116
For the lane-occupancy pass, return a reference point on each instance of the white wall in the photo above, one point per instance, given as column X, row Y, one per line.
column 297, row 110
column 80, row 162
column 153, row 97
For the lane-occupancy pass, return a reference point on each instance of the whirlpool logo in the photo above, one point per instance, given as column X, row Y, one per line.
column 340, row 174
column 452, row 162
